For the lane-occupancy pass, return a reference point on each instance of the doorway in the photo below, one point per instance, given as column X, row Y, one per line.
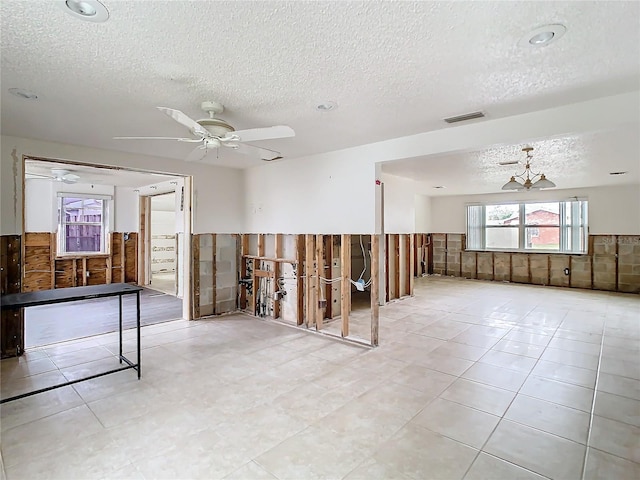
column 163, row 251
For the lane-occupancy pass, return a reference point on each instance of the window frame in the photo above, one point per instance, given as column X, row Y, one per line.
column 62, row 224
column 569, row 233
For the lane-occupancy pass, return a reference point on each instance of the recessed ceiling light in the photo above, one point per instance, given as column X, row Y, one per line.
column 440, row 186
column 87, row 10
column 542, row 36
column 618, row 173
column 327, row 106
column 24, row 94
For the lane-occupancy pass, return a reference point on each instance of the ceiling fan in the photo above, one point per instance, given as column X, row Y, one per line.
column 213, row 133
column 57, row 174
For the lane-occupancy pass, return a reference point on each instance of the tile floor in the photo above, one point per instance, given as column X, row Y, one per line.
column 473, row 380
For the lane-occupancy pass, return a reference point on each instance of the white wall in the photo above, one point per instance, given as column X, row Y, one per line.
column 126, row 210
column 331, row 193
column 399, row 204
column 218, row 192
column 41, row 202
column 612, row 210
column 423, row 213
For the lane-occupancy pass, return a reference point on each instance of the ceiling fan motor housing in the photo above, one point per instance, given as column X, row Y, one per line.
column 216, row 126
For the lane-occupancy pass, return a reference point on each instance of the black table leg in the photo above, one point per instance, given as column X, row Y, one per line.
column 138, row 329
column 120, row 330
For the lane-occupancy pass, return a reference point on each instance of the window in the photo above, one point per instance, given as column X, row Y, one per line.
column 535, row 226
column 82, row 223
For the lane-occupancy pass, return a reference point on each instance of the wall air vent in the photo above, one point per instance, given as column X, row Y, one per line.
column 464, row 117
column 509, row 162
column 617, row 173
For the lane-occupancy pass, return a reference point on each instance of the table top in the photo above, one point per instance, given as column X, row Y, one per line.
column 60, row 295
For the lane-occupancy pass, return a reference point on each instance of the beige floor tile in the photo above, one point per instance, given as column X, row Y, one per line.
column 419, row 453
column 561, row 393
column 443, row 363
column 95, row 456
column 622, row 368
column 623, row 386
column 583, row 377
column 594, row 338
column 315, row 453
column 601, row 465
column 39, row 406
column 488, row 467
column 250, row 471
column 444, row 329
column 44, row 435
column 466, row 425
column 80, row 356
column 423, row 379
column 510, row 361
column 615, row 407
column 495, row 376
column 475, row 340
column 541, row 452
column 123, row 407
column 528, row 337
column 373, row 470
column 575, row 359
column 617, row 438
column 18, row 386
column 14, row 368
column 482, row 397
column 460, row 350
column 202, row 455
column 575, row 346
column 363, row 423
column 519, row 348
column 398, row 400
column 621, row 353
column 550, row 417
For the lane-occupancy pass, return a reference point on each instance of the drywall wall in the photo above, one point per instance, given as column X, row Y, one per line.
column 331, row 193
column 41, row 202
column 126, row 210
column 212, row 186
column 612, row 210
column 422, row 213
column 399, row 204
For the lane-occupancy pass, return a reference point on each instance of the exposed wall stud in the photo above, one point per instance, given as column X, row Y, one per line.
column 375, row 307
column 345, row 286
column 300, row 245
column 319, row 283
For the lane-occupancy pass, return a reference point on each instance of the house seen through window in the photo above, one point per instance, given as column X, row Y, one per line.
column 534, row 226
column 81, row 224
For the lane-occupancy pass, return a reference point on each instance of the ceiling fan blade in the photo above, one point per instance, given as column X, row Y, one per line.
column 185, row 120
column 196, row 154
column 36, row 175
column 160, row 138
column 268, row 133
column 257, row 152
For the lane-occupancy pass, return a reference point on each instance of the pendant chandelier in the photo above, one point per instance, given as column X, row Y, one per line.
column 528, row 180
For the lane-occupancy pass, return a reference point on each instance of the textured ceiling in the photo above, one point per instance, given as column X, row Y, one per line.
column 98, row 176
column 583, row 160
column 394, row 68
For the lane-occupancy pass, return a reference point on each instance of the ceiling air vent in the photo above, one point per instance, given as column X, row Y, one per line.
column 509, row 162
column 464, row 117
column 617, row 173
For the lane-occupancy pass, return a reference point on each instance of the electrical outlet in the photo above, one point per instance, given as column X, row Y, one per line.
column 567, row 271
column 88, row 273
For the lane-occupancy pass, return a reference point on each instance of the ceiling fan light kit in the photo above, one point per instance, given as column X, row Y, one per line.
column 213, row 133
column 529, row 180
